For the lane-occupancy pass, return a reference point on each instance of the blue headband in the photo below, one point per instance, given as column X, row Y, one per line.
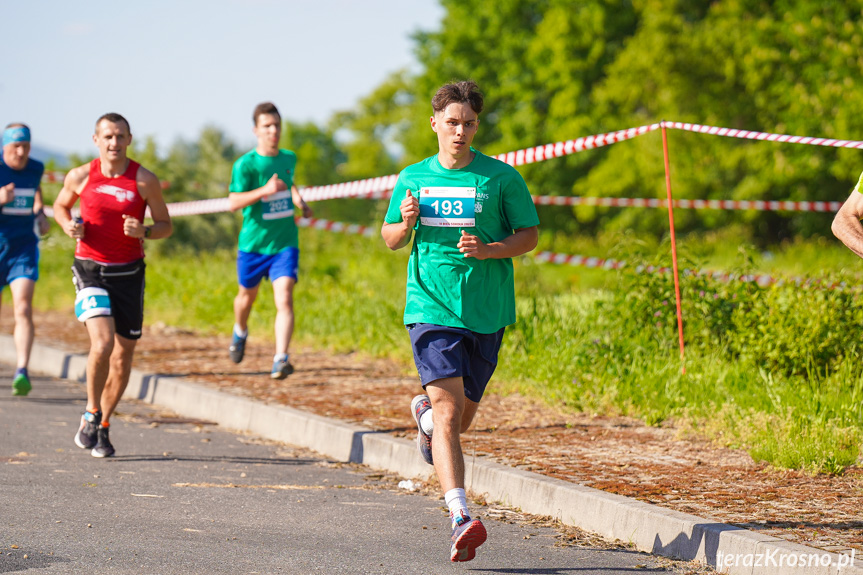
column 16, row 134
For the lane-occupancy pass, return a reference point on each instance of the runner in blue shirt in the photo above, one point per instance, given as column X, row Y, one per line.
column 20, row 215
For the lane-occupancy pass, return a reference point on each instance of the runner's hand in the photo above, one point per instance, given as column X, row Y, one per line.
column 43, row 223
column 472, row 247
column 274, row 185
column 7, row 193
column 410, row 209
column 132, row 227
column 74, row 229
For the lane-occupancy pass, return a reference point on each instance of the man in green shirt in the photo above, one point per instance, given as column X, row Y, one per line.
column 469, row 215
column 262, row 186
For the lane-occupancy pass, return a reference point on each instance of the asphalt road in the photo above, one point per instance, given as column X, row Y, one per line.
column 187, row 497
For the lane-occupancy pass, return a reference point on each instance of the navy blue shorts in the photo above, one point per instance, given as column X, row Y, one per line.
column 252, row 267
column 18, row 262
column 441, row 352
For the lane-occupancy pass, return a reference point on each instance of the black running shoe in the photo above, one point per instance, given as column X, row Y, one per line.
column 103, row 444
column 238, row 348
column 90, row 423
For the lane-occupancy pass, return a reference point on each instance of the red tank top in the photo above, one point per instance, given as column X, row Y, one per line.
column 103, row 202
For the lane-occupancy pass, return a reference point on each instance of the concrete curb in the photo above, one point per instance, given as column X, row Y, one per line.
column 650, row 528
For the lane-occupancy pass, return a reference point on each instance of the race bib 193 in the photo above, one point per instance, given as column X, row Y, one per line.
column 447, row 206
column 278, row 206
column 22, row 205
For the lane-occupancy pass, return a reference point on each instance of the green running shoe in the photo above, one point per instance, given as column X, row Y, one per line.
column 21, row 385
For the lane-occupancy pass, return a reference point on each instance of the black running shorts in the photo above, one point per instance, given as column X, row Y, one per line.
column 125, row 286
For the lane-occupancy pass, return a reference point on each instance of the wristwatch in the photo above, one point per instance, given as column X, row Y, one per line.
column 148, row 230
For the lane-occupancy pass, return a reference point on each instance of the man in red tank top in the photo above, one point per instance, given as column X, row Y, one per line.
column 115, row 193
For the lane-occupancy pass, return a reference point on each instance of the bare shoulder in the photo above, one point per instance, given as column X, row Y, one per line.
column 148, row 182
column 77, row 177
column 146, row 177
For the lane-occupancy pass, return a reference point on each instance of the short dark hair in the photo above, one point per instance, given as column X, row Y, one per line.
column 465, row 91
column 265, row 108
column 114, row 118
column 16, row 125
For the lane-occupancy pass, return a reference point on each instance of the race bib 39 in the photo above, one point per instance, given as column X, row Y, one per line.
column 22, row 204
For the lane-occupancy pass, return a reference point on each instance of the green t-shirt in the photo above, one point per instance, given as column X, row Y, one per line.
column 268, row 225
column 487, row 198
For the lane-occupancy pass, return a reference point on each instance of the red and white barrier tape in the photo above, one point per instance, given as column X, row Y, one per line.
column 760, row 205
column 578, row 261
column 217, row 205
column 361, row 188
column 358, row 188
column 194, row 208
column 762, row 136
column 378, row 187
column 549, row 151
column 610, row 264
column 341, row 227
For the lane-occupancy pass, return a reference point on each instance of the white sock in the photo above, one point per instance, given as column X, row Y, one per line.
column 426, row 422
column 280, row 357
column 240, row 332
column 456, row 500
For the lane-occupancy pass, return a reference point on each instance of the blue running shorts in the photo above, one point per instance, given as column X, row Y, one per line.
column 18, row 262
column 441, row 352
column 252, row 267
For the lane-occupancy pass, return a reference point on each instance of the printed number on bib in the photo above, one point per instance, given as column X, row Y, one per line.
column 22, row 204
column 92, row 302
column 447, row 206
column 278, row 206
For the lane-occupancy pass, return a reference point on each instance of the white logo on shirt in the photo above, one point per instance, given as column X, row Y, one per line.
column 119, row 194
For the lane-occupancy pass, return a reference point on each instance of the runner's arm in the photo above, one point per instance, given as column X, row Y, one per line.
column 846, row 225
column 151, row 190
column 7, row 193
column 299, row 202
column 520, row 242
column 39, row 210
column 398, row 235
column 239, row 200
column 72, row 186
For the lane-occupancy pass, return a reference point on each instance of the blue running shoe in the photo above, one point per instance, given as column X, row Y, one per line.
column 90, row 424
column 281, row 369
column 419, row 405
column 467, row 535
column 21, row 384
column 238, row 348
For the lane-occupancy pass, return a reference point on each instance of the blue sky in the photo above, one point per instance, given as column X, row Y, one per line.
column 173, row 67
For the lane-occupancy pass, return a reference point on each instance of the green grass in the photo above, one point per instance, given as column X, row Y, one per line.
column 772, row 370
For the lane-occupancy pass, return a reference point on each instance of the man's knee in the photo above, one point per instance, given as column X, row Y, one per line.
column 246, row 296
column 101, row 346
column 23, row 311
column 447, row 415
column 283, row 293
